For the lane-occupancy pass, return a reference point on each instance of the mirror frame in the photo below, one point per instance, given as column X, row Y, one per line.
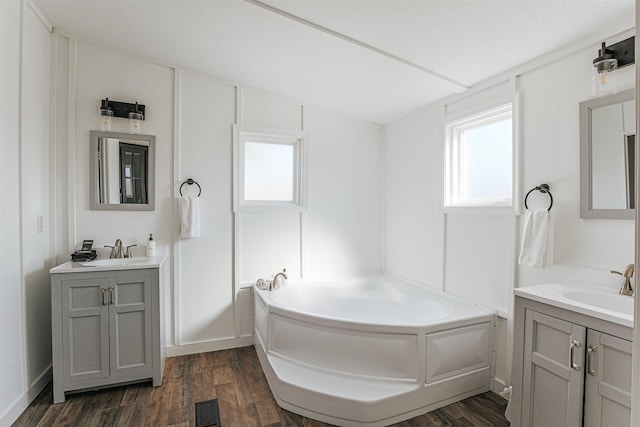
column 151, row 172
column 586, row 202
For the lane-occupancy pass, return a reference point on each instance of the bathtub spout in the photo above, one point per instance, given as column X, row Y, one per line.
column 279, row 276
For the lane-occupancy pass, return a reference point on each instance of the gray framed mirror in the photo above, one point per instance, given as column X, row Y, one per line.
column 122, row 171
column 607, row 156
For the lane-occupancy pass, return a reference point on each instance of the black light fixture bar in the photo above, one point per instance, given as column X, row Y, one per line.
column 122, row 109
column 624, row 51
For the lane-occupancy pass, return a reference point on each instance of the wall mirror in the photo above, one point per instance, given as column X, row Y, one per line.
column 607, row 156
column 122, row 171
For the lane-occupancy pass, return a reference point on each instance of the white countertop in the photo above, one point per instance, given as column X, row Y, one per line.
column 592, row 300
column 110, row 264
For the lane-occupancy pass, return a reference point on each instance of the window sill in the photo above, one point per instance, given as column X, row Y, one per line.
column 269, row 209
column 484, row 210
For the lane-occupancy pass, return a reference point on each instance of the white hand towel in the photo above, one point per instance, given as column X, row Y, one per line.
column 189, row 216
column 537, row 239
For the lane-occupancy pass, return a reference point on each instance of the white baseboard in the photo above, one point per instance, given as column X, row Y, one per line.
column 201, row 347
column 40, row 383
column 498, row 385
column 23, row 401
column 14, row 410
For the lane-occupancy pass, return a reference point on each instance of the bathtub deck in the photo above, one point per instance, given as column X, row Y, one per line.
column 338, row 384
column 233, row 377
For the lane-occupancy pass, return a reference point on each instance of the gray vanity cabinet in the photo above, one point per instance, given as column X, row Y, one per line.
column 565, row 363
column 567, row 372
column 106, row 329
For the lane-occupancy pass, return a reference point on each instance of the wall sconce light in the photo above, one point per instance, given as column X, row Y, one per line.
column 609, row 59
column 135, row 120
column 106, row 114
column 134, row 112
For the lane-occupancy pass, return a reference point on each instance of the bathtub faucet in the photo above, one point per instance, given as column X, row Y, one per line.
column 261, row 284
column 279, row 276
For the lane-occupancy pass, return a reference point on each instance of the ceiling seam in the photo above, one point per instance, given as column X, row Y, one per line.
column 356, row 42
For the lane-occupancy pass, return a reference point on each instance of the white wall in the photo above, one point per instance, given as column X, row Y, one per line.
column 35, row 170
column 344, row 223
column 12, row 371
column 25, row 259
column 414, row 224
column 101, row 73
column 550, row 153
column 204, row 291
column 192, row 114
column 481, row 249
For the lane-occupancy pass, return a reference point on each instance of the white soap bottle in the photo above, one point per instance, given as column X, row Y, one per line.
column 151, row 246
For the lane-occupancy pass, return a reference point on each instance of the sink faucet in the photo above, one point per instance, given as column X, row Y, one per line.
column 128, row 253
column 280, row 275
column 116, row 249
column 626, row 288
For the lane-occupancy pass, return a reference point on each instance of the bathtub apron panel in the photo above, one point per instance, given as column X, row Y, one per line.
column 339, row 362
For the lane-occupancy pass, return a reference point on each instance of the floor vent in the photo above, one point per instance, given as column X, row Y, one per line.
column 207, row 414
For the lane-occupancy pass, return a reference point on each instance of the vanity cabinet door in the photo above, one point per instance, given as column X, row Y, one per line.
column 131, row 325
column 608, row 381
column 553, row 372
column 85, row 336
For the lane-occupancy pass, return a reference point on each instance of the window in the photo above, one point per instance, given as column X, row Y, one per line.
column 479, row 159
column 268, row 170
column 133, row 172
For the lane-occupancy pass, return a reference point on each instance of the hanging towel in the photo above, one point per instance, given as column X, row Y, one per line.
column 537, row 239
column 189, row 216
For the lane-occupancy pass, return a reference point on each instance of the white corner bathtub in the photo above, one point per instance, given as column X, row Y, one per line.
column 370, row 351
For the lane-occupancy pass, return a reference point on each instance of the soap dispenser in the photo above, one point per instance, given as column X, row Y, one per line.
column 151, row 246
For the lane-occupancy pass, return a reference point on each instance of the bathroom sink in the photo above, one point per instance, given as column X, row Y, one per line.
column 607, row 300
column 601, row 302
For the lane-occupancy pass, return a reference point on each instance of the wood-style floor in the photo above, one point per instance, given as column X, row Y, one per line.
column 235, row 378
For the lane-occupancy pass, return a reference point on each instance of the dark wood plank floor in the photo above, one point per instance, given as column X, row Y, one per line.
column 235, row 378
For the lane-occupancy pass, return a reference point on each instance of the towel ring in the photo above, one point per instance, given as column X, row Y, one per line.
column 191, row 182
column 543, row 188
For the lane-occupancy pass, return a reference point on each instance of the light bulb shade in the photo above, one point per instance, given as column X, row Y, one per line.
column 105, row 119
column 604, row 78
column 135, row 122
column 605, row 65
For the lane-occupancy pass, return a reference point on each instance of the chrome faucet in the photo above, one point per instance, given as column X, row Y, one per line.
column 280, row 275
column 626, row 288
column 128, row 253
column 116, row 249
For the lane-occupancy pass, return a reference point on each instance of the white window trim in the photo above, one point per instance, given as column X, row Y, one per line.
column 453, row 174
column 298, row 139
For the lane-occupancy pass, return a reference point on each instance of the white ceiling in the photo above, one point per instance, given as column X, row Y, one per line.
column 375, row 59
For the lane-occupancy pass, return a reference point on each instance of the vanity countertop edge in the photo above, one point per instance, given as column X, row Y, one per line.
column 133, row 264
column 553, row 294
